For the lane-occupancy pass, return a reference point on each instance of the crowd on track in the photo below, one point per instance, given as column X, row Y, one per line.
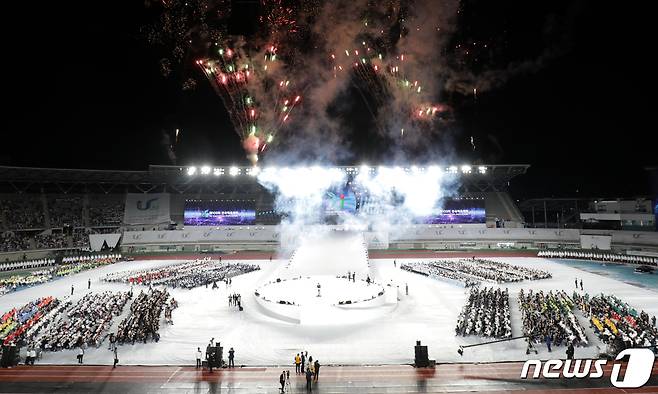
column 436, row 270
column 15, row 282
column 185, row 275
column 599, row 256
column 85, row 323
column 16, row 323
column 143, row 322
column 69, row 266
column 548, row 317
column 470, row 272
column 617, row 323
column 486, row 314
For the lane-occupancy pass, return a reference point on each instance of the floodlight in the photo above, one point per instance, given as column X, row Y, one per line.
column 205, row 170
column 233, row 171
column 466, row 169
column 217, row 171
column 191, row 170
column 482, row 169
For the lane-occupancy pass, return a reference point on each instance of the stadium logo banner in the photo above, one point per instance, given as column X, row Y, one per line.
column 147, row 208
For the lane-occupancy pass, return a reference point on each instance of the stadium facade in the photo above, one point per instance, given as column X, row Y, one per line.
column 103, row 207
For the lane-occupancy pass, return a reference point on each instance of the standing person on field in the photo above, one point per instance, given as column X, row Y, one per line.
column 570, row 351
column 231, row 356
column 298, row 362
column 198, row 357
column 317, row 369
column 303, row 361
column 116, row 358
column 71, row 289
column 88, row 284
column 282, row 381
column 309, row 379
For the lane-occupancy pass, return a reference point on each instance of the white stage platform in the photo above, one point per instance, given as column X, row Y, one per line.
column 291, row 293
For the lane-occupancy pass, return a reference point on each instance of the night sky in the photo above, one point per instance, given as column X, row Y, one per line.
column 83, row 89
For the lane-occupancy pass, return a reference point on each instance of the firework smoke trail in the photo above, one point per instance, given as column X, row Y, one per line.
column 255, row 91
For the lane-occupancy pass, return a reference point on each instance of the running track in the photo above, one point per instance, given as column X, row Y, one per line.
column 492, row 378
column 373, row 254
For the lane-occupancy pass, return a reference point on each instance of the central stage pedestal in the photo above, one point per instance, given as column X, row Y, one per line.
column 291, row 293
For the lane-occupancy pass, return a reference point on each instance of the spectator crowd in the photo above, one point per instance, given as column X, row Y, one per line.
column 105, row 212
column 22, row 214
column 65, row 210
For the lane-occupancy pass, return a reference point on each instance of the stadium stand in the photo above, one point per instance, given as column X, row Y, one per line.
column 65, row 210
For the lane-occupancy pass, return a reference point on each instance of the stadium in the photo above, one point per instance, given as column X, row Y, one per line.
column 329, row 196
column 359, row 275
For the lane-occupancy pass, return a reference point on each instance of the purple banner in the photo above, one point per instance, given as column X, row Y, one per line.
column 462, row 211
column 219, row 213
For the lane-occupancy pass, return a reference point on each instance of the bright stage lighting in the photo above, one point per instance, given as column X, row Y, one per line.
column 482, row 169
column 205, row 170
column 466, row 169
column 233, row 171
column 218, row 171
column 191, row 170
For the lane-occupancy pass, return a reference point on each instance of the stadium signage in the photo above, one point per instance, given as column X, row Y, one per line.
column 638, row 369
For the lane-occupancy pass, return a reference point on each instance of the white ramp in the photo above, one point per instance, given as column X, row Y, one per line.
column 334, row 254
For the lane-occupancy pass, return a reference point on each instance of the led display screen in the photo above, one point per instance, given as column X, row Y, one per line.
column 458, row 211
column 219, row 212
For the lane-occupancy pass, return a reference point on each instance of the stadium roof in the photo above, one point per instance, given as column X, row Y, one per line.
column 207, row 179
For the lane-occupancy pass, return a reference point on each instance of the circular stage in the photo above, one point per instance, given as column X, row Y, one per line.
column 296, row 299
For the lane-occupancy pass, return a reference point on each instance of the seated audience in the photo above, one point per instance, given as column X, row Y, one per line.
column 485, row 314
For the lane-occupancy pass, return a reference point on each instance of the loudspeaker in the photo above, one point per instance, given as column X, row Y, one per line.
column 216, row 352
column 421, row 358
